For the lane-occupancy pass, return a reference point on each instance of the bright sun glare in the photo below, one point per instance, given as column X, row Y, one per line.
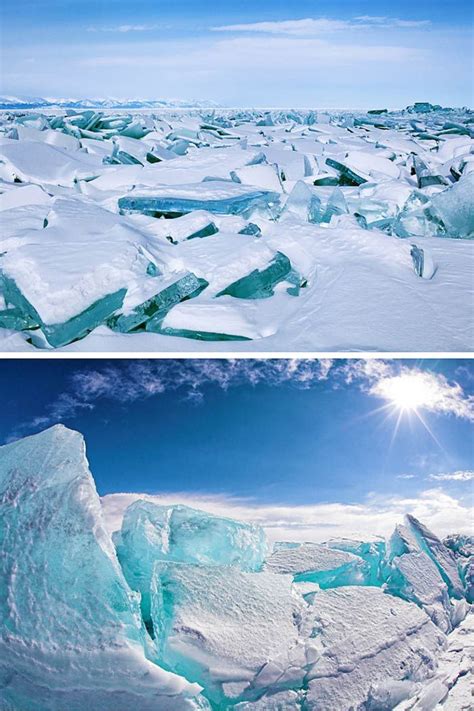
column 408, row 392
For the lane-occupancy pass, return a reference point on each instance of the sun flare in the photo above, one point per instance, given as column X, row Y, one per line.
column 408, row 392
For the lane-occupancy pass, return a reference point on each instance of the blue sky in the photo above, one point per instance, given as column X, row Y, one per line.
column 339, row 54
column 274, row 432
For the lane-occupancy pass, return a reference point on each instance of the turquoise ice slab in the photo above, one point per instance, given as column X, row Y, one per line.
column 259, row 284
column 60, row 334
column 454, row 208
column 158, row 305
column 348, row 176
column 168, row 206
column 16, row 320
column 155, row 326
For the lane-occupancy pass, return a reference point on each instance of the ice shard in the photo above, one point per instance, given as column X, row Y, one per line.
column 71, row 632
column 302, row 203
column 133, row 316
column 443, row 558
column 454, row 208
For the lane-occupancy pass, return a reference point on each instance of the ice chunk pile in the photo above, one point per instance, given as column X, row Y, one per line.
column 156, row 231
column 188, row 610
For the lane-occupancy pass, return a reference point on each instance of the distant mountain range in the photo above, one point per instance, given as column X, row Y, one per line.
column 30, row 102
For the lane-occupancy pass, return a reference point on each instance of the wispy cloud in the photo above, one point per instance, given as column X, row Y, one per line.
column 126, row 28
column 130, row 381
column 454, row 476
column 377, row 515
column 311, row 26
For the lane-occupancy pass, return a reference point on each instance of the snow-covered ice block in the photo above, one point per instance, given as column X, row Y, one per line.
column 317, row 563
column 24, row 195
column 224, row 627
column 364, row 640
column 150, row 299
column 38, row 162
column 206, row 321
column 71, row 635
column 444, row 559
column 415, row 577
column 215, row 196
column 71, row 288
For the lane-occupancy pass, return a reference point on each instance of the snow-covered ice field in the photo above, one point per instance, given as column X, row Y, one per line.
column 236, row 230
column 182, row 609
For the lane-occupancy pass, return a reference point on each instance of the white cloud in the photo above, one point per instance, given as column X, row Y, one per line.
column 377, row 516
column 316, row 26
column 454, row 476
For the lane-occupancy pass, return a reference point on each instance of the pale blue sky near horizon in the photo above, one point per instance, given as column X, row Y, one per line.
column 310, row 54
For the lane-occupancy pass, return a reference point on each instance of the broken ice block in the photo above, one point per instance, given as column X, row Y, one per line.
column 225, row 628
column 336, row 205
column 134, row 315
column 70, row 288
column 71, row 635
column 302, row 203
column 16, row 320
column 454, row 208
column 150, row 532
column 217, row 196
column 424, row 175
column 439, row 553
column 311, row 562
column 362, row 638
column 259, row 284
column 348, row 176
column 413, row 576
column 251, row 229
column 422, row 262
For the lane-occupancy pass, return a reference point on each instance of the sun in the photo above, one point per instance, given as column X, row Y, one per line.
column 408, row 392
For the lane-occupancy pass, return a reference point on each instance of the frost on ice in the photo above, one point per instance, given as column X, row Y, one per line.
column 186, row 610
column 168, row 231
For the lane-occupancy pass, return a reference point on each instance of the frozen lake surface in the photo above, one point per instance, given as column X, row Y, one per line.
column 236, row 230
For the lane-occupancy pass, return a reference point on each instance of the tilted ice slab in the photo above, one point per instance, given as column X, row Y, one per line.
column 319, row 564
column 71, row 633
column 451, row 687
column 364, row 642
column 216, row 196
column 224, row 626
column 420, row 568
column 178, row 533
column 40, row 163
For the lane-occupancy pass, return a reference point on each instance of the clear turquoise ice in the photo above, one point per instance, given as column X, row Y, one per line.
column 178, row 533
column 169, row 206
